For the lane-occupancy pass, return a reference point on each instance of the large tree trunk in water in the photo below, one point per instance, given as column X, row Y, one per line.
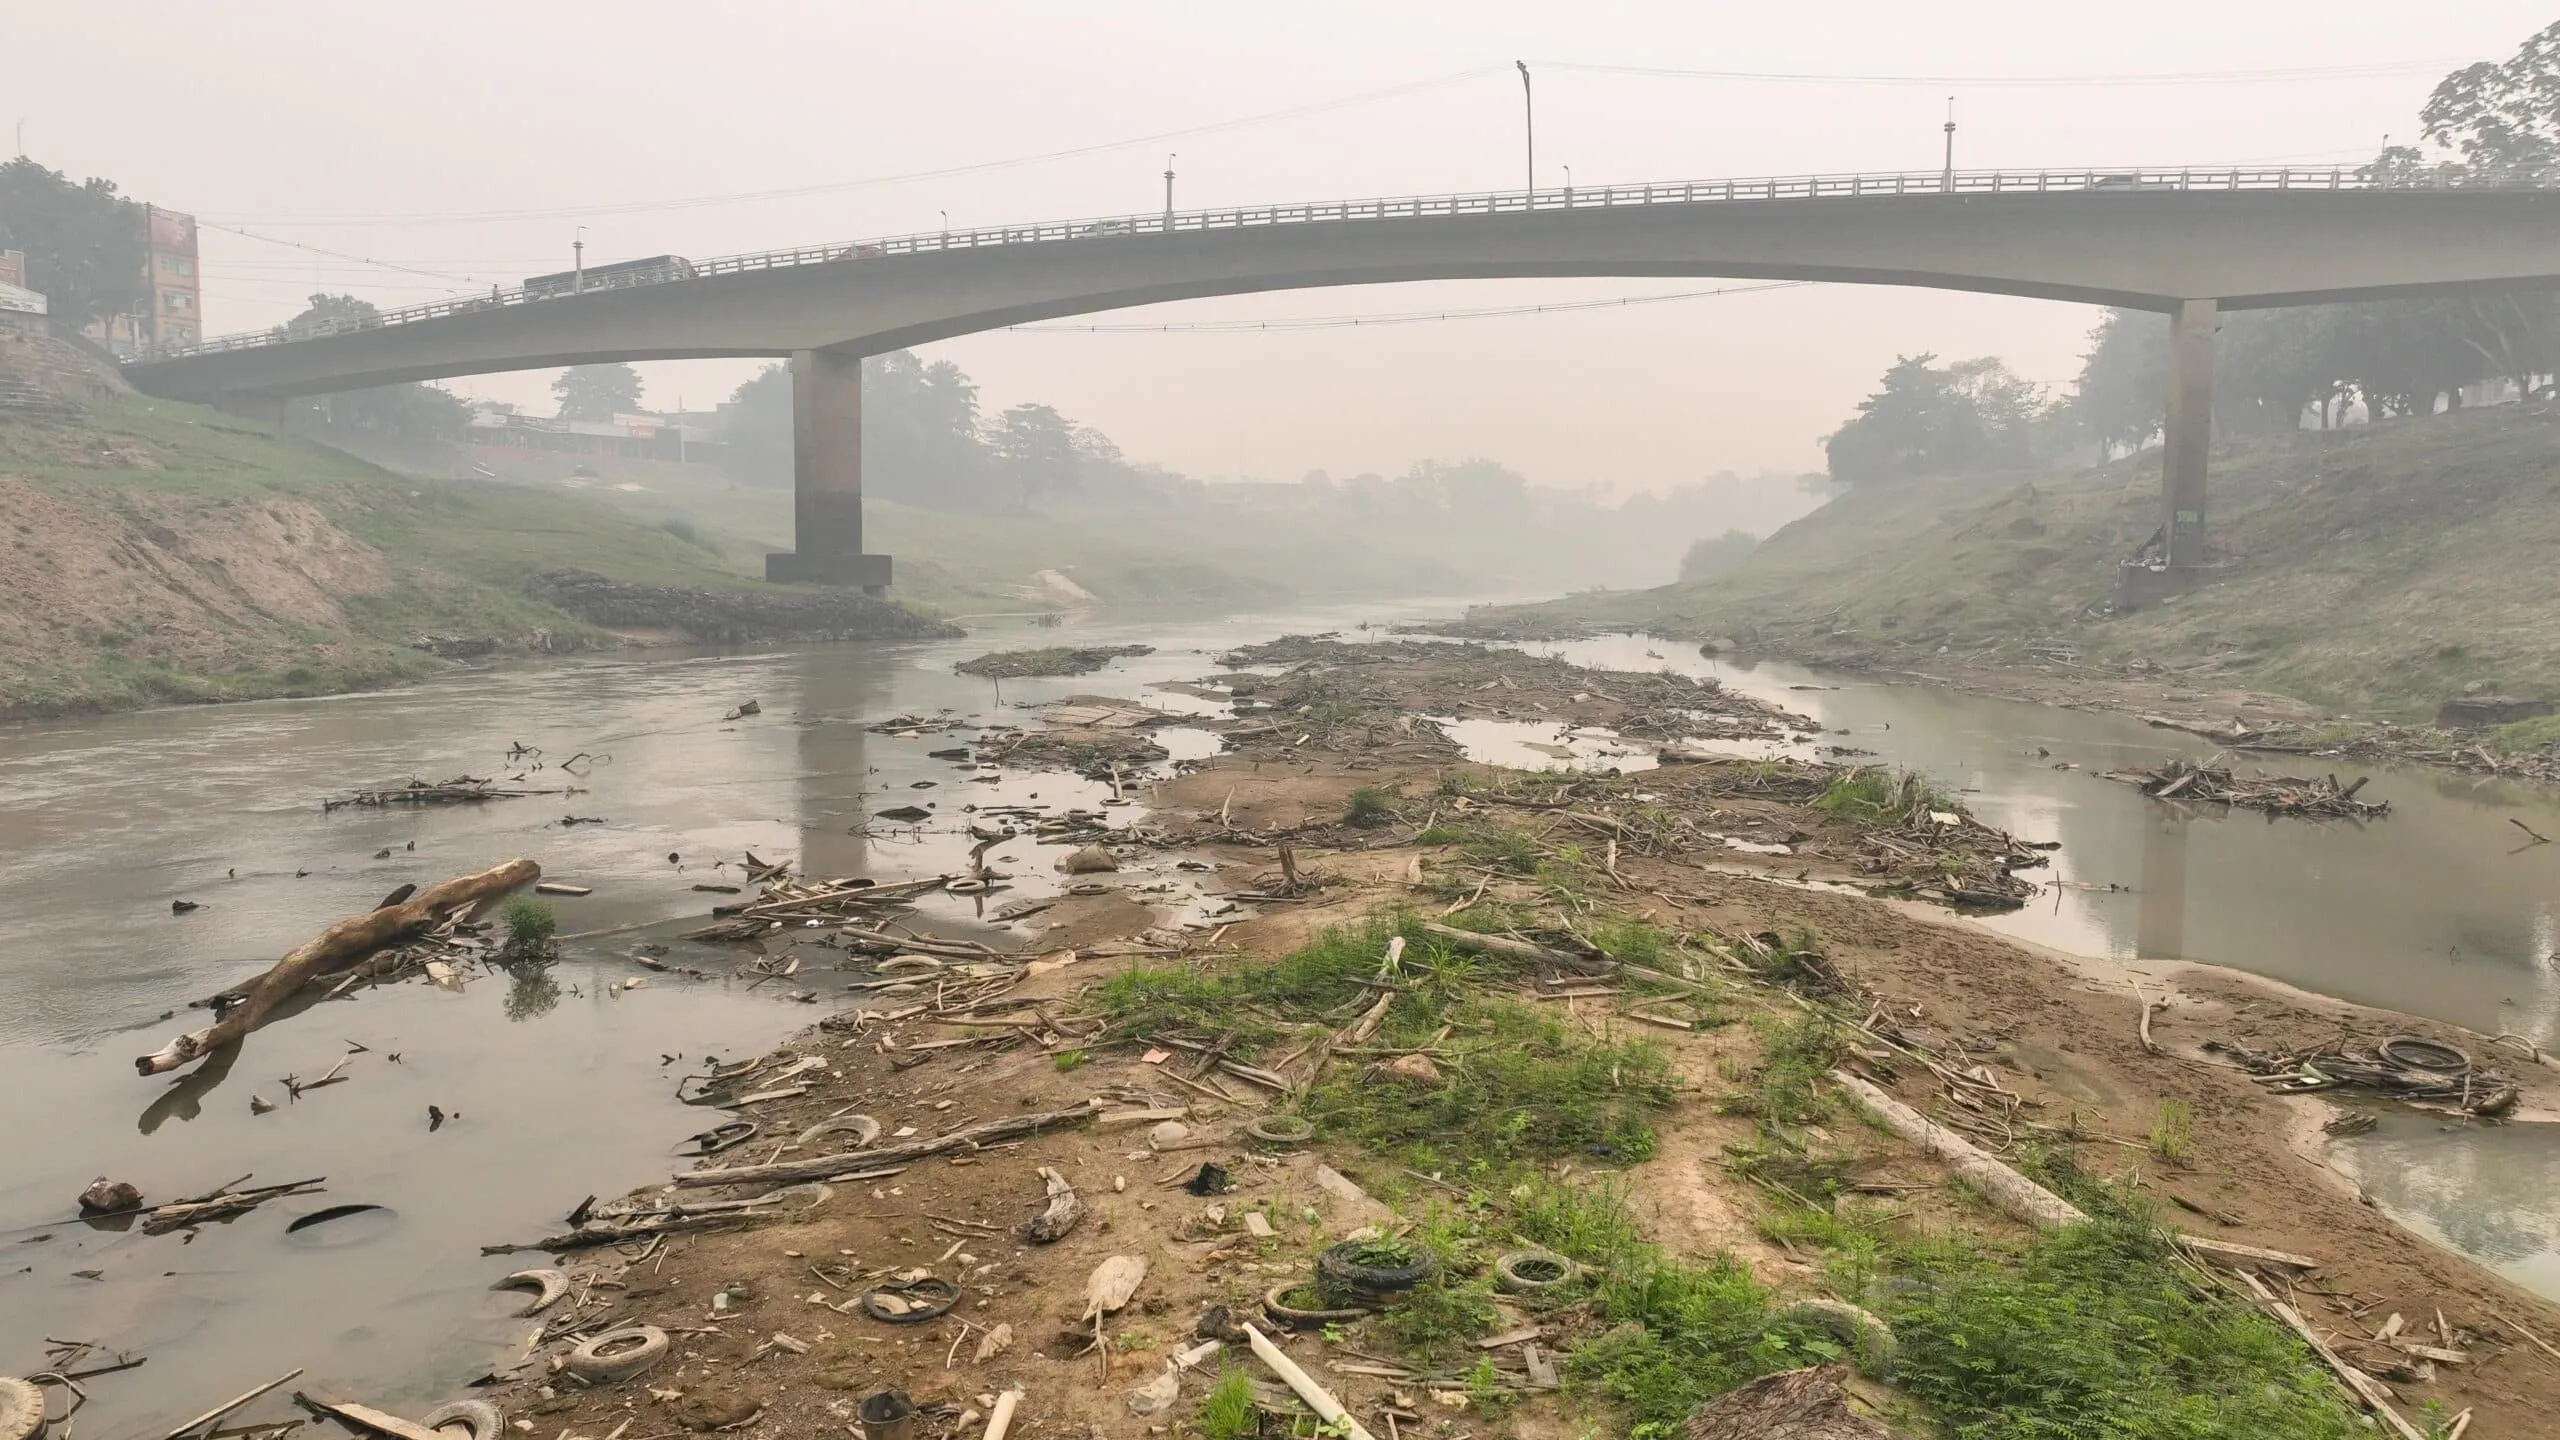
column 336, row 948
column 1796, row 1405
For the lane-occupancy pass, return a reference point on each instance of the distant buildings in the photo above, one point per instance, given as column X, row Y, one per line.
column 20, row 307
column 624, row 437
column 172, row 310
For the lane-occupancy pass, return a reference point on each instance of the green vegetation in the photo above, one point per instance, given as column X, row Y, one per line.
column 530, row 923
column 1369, row 807
column 1227, row 1412
column 1067, row 1060
column 2174, row 1131
column 2527, row 735
column 1055, row 660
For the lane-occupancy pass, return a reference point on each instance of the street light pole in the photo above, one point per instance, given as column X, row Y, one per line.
column 578, row 273
column 1568, row 185
column 1168, row 194
column 1529, row 115
column 1947, row 177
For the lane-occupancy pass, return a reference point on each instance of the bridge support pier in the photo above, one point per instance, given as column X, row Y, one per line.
column 2176, row 559
column 826, row 477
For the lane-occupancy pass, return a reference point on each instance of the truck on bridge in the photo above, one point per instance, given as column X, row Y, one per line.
column 620, row 275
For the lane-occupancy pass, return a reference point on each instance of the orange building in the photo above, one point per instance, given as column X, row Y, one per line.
column 173, row 311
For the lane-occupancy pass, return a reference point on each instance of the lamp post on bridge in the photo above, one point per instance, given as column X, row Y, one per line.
column 578, row 271
column 1168, row 194
column 1529, row 117
column 1947, row 176
column 1568, row 186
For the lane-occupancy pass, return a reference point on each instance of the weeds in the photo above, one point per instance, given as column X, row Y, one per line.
column 1870, row 795
column 1227, row 1412
column 1499, row 848
column 2174, row 1132
column 1068, row 1060
column 1369, row 807
column 1796, row 1053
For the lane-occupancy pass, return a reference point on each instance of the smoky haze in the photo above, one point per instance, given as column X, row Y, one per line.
column 471, row 140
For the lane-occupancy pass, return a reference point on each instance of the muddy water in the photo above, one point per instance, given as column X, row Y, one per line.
column 564, row 1090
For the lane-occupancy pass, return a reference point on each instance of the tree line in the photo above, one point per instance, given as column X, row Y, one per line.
column 2274, row 370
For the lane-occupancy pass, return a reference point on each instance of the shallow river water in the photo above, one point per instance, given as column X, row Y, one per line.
column 561, row 1090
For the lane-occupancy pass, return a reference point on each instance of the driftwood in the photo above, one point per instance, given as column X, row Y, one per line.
column 1535, row 954
column 461, row 790
column 822, row 1166
column 2274, row 794
column 336, row 948
column 2015, row 1194
column 1063, row 1210
column 1791, row 1405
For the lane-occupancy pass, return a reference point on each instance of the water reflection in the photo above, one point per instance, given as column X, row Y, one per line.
column 2493, row 1194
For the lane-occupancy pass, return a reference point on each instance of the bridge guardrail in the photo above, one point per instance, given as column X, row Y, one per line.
column 1497, row 202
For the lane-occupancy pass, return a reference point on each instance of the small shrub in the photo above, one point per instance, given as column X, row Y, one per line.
column 1370, row 807
column 1068, row 1060
column 686, row 531
column 2173, row 1134
column 1440, row 835
column 530, row 923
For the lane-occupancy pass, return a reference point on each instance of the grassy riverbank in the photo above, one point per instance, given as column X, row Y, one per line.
column 153, row 552
column 2375, row 571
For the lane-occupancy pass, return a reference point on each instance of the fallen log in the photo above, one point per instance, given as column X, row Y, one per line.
column 2015, row 1194
column 1535, row 954
column 341, row 945
column 820, row 1167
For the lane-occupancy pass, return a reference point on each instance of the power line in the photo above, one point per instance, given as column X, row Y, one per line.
column 1398, row 317
column 340, row 254
column 2373, row 70
column 835, row 187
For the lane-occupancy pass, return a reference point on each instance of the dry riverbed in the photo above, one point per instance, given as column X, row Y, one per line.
column 1593, row 1017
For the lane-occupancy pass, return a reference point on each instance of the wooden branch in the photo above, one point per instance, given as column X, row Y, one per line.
column 336, row 948
column 1536, row 954
column 2015, row 1194
column 822, row 1166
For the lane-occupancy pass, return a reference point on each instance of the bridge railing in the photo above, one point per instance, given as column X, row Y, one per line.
column 1417, row 207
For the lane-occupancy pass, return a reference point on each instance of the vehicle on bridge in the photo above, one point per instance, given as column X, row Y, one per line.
column 620, row 275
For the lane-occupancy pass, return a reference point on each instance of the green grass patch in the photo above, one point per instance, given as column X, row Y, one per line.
column 1370, row 806
column 529, row 923
column 2526, row 735
column 1227, row 1412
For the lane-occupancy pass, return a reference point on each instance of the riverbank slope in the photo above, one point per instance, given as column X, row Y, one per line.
column 153, row 552
column 2375, row 571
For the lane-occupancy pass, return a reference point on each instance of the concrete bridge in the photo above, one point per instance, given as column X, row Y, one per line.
column 2189, row 243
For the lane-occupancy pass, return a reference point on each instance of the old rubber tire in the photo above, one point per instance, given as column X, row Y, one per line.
column 21, row 1409
column 939, row 1296
column 1866, row 1338
column 1340, row 1265
column 548, row 1287
column 1295, row 1318
column 1280, row 1129
column 467, row 1420
column 1533, row 1272
column 618, row 1354
column 2412, row 1052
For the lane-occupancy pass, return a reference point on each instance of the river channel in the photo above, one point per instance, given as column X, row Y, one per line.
column 558, row 1086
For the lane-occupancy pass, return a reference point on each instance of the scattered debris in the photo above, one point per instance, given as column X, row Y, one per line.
column 1056, row 660
column 460, row 790
column 2405, row 1067
column 2274, row 794
column 1063, row 1210
column 109, row 1197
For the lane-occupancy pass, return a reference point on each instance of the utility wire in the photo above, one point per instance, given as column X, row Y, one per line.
column 2367, row 71
column 340, row 254
column 838, row 186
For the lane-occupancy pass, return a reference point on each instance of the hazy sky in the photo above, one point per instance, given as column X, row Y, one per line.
column 470, row 139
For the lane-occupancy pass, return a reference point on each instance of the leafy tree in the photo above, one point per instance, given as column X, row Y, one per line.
column 1931, row 419
column 597, row 392
column 1712, row 557
column 84, row 243
column 2502, row 116
column 409, row 413
column 1035, row 449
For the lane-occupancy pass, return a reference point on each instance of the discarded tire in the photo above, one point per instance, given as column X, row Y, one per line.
column 1343, row 1267
column 1533, row 1272
column 618, row 1354
column 912, row 1303
column 1300, row 1317
column 1280, row 1129
column 862, row 1128
column 1865, row 1336
column 2409, row 1052
column 548, row 1285
column 467, row 1420
column 21, row 1409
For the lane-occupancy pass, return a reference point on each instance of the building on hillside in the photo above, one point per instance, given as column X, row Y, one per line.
column 624, row 437
column 21, row 309
column 172, row 311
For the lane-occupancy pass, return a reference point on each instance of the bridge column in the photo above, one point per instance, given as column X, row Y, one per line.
column 2187, row 439
column 826, row 477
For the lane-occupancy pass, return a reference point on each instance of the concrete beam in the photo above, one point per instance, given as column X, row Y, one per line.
column 826, row 477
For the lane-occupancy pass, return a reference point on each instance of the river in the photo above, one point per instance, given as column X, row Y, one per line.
column 555, row 1090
